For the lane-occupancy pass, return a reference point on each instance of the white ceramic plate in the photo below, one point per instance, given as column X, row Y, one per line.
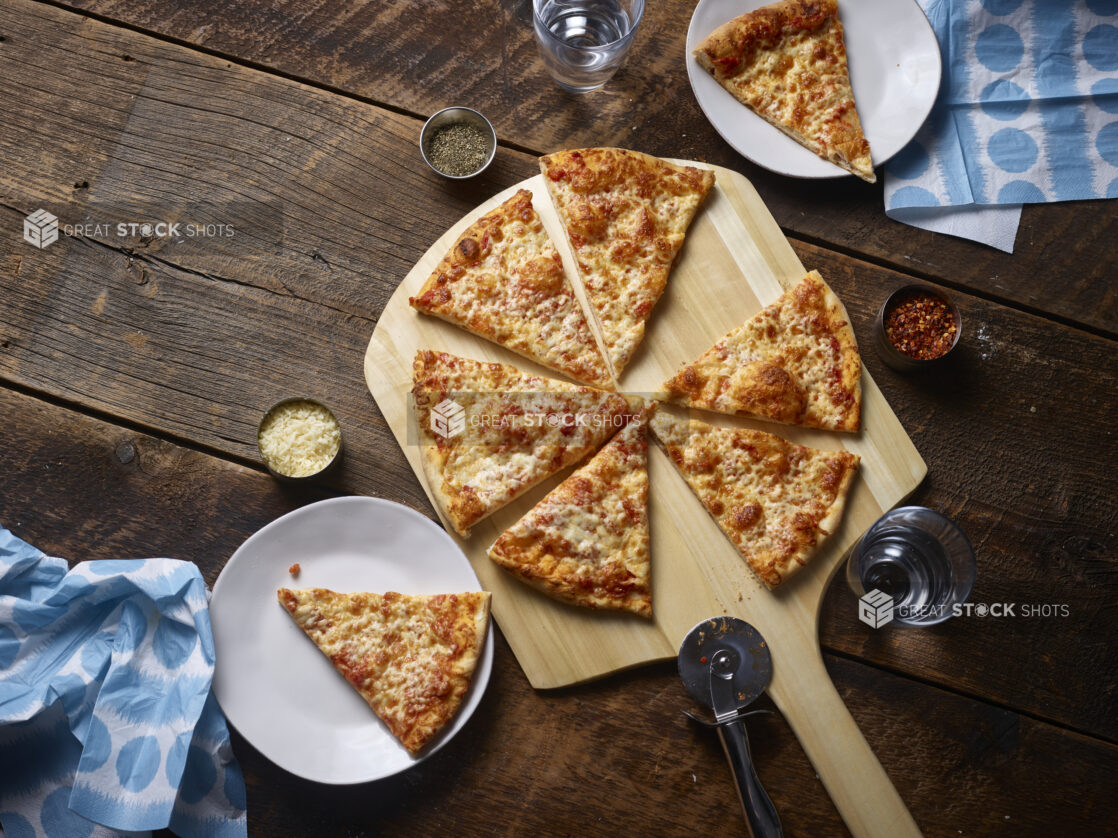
column 895, row 70
column 272, row 682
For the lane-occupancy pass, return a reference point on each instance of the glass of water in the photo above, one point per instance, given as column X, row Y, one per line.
column 583, row 42
column 919, row 559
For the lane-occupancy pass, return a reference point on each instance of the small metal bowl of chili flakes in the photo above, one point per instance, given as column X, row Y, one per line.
column 917, row 327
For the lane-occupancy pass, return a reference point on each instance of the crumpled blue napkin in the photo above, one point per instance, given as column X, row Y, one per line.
column 107, row 722
column 1027, row 113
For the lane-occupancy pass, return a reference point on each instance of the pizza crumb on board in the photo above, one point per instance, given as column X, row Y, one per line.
column 294, row 569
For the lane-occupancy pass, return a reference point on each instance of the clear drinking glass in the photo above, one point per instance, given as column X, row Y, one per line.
column 583, row 42
column 919, row 559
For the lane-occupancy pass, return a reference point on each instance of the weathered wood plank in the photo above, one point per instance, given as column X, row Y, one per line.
column 197, row 358
column 1035, row 501
column 88, row 489
column 1016, row 432
column 196, row 338
column 611, row 758
column 327, row 197
column 406, row 56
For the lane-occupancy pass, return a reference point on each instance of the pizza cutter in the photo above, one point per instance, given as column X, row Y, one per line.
column 725, row 664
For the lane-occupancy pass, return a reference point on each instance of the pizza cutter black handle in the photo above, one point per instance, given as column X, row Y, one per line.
column 760, row 814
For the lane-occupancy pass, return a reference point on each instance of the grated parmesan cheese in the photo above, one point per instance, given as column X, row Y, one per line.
column 299, row 438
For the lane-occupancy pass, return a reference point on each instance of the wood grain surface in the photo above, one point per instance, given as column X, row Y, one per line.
column 137, row 368
column 408, row 58
column 964, row 764
column 112, row 327
column 734, row 261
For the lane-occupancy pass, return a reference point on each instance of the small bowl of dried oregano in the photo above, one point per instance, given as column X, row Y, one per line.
column 458, row 143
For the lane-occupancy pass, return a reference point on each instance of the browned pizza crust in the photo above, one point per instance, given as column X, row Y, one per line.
column 503, row 280
column 410, row 657
column 796, row 361
column 778, row 502
column 787, row 63
column 515, row 430
column 626, row 215
column 587, row 542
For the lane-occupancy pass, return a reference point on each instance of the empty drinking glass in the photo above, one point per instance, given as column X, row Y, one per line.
column 583, row 42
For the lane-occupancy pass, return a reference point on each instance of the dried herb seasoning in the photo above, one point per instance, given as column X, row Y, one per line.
column 458, row 149
column 922, row 326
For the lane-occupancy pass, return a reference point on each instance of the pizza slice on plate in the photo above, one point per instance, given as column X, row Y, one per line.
column 787, row 63
column 503, row 280
column 626, row 215
column 490, row 432
column 410, row 657
column 587, row 542
column 776, row 501
column 795, row 361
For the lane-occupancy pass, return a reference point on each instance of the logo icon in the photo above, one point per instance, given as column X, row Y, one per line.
column 875, row 609
column 448, row 419
column 40, row 229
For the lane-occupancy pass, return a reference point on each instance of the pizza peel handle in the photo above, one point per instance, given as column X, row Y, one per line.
column 854, row 778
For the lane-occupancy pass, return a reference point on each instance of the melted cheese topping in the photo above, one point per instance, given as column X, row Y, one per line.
column 503, row 280
column 587, row 542
column 410, row 657
column 776, row 501
column 787, row 63
column 520, row 429
column 626, row 215
column 796, row 361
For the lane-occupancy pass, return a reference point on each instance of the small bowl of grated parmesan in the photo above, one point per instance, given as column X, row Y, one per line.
column 299, row 439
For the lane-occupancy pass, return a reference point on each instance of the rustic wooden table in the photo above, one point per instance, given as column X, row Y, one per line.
column 134, row 371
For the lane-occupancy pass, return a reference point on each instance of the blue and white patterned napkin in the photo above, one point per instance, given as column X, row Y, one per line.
column 1027, row 113
column 107, row 722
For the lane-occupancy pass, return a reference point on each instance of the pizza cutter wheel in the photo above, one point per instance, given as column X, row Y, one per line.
column 725, row 664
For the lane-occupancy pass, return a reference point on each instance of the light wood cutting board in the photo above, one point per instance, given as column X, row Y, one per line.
column 734, row 262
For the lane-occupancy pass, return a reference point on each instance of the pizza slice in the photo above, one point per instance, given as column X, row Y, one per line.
column 795, row 361
column 587, row 542
column 410, row 657
column 626, row 215
column 775, row 500
column 490, row 432
column 503, row 280
column 786, row 62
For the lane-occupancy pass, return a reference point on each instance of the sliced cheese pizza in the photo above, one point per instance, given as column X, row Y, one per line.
column 587, row 542
column 490, row 432
column 796, row 361
column 626, row 215
column 410, row 657
column 503, row 280
column 775, row 500
column 787, row 63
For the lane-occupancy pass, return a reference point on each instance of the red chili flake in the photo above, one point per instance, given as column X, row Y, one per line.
column 921, row 326
column 728, row 63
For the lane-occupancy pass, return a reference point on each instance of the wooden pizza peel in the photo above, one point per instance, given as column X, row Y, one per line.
column 734, row 262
